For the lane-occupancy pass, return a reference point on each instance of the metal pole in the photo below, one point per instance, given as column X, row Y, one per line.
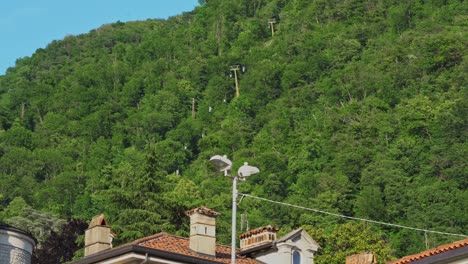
column 272, row 28
column 233, row 227
column 237, row 83
column 271, row 23
column 426, row 240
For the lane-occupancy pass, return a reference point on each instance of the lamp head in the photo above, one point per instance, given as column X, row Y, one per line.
column 246, row 170
column 222, row 162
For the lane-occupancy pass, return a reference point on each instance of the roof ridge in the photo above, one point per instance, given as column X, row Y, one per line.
column 290, row 234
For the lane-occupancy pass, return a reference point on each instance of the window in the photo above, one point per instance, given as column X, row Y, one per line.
column 296, row 257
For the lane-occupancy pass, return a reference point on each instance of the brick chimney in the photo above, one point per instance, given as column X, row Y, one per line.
column 98, row 236
column 203, row 230
column 361, row 258
column 258, row 236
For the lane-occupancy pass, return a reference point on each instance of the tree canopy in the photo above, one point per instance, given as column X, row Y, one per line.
column 353, row 107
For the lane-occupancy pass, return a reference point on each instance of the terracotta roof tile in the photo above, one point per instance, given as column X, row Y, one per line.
column 431, row 252
column 180, row 245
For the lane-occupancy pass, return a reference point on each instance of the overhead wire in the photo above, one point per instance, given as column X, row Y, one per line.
column 350, row 217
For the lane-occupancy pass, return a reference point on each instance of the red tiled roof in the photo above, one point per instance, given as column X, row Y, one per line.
column 180, row 245
column 431, row 252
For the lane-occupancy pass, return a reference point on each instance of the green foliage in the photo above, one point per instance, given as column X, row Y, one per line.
column 40, row 224
column 354, row 107
column 349, row 239
column 60, row 246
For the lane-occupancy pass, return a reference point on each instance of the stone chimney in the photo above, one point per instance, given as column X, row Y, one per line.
column 203, row 230
column 362, row 258
column 98, row 236
column 258, row 236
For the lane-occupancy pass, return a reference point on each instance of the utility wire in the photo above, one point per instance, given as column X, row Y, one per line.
column 350, row 217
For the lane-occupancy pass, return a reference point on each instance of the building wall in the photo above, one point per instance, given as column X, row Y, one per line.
column 283, row 251
column 15, row 246
column 10, row 254
column 284, row 255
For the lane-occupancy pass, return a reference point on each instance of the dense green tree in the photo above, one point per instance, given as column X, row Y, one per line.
column 348, row 239
column 60, row 245
column 40, row 224
column 353, row 107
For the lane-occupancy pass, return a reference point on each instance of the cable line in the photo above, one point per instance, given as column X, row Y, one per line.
column 350, row 217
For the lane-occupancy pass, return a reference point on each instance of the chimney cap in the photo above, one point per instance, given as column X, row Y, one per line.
column 268, row 228
column 202, row 210
column 98, row 220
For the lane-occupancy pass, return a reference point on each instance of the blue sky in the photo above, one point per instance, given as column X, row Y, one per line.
column 26, row 25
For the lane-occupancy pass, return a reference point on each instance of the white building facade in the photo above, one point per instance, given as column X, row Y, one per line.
column 296, row 247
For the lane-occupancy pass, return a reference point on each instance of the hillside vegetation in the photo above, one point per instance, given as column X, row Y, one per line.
column 352, row 107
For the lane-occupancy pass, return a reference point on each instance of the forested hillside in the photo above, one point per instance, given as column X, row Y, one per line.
column 352, row 107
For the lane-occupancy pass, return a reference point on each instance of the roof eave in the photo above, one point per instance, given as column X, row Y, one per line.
column 453, row 251
column 455, row 254
column 253, row 249
column 109, row 254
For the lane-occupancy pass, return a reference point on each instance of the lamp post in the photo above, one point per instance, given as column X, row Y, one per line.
column 225, row 165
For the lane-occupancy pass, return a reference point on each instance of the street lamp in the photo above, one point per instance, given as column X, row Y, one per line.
column 225, row 165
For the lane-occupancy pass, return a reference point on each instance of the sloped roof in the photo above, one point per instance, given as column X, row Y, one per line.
column 180, row 245
column 290, row 235
column 462, row 244
column 295, row 233
column 168, row 247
